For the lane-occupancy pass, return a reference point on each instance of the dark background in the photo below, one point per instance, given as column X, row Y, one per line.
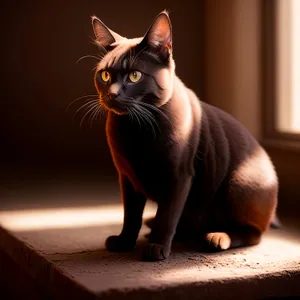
column 219, row 50
column 40, row 44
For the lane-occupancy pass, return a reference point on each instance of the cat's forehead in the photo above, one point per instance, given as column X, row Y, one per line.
column 120, row 48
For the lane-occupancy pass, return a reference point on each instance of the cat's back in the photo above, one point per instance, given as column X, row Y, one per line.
column 223, row 144
column 229, row 139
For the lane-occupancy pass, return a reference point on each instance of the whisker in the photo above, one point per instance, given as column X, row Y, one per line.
column 141, row 116
column 83, row 97
column 157, row 110
column 103, row 111
column 143, row 113
column 137, row 117
column 93, row 114
column 88, row 56
column 150, row 120
column 84, row 109
column 100, row 112
column 130, row 115
column 95, row 42
column 86, row 96
column 102, row 48
column 84, row 106
column 132, row 100
column 145, row 119
column 153, row 119
column 93, row 107
column 88, row 104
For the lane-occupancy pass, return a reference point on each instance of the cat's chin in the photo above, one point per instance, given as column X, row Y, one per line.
column 114, row 109
column 118, row 112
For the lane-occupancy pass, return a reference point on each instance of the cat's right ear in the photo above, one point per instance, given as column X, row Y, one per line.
column 104, row 35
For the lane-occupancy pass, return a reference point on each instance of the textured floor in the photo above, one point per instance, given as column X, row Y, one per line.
column 62, row 248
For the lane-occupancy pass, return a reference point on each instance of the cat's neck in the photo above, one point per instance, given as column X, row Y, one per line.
column 184, row 109
column 177, row 116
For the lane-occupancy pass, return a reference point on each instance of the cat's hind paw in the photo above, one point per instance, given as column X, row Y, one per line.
column 118, row 243
column 218, row 240
column 155, row 252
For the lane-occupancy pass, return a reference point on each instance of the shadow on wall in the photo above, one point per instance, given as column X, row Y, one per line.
column 42, row 42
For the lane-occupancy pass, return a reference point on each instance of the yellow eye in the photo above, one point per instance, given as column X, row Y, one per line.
column 105, row 76
column 135, row 76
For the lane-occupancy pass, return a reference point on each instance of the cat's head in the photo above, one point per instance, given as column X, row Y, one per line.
column 134, row 71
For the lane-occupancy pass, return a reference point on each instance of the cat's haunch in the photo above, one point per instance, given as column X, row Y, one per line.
column 210, row 178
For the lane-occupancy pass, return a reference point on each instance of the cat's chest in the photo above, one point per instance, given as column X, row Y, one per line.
column 138, row 153
column 137, row 140
column 128, row 141
column 138, row 150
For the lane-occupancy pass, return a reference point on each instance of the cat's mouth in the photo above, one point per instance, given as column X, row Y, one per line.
column 115, row 106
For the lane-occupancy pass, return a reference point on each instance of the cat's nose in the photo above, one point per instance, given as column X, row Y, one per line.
column 112, row 96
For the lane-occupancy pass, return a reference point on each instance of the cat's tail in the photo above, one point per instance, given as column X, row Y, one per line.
column 275, row 223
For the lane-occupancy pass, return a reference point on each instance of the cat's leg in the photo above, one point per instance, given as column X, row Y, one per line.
column 134, row 204
column 251, row 203
column 164, row 225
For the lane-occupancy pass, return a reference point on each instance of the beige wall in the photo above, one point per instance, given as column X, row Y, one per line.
column 232, row 59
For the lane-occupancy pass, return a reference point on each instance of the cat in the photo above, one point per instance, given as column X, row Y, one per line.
column 202, row 167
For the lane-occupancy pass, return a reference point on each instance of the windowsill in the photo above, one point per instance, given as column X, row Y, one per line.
column 68, row 259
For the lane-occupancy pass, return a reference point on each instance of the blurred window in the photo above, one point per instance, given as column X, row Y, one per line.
column 287, row 77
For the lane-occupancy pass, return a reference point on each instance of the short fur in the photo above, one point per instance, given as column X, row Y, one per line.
column 204, row 169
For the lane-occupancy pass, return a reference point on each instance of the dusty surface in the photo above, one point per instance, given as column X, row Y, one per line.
column 63, row 249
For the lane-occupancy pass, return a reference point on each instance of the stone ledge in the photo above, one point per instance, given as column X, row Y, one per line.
column 66, row 257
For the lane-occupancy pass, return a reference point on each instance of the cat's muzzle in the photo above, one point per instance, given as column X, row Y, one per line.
column 116, row 105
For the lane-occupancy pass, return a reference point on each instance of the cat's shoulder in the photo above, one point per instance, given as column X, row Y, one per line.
column 215, row 113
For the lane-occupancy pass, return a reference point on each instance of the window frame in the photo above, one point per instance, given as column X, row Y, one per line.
column 271, row 136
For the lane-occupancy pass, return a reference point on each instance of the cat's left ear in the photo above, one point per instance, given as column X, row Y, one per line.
column 159, row 35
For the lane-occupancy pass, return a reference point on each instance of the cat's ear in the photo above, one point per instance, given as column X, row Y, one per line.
column 159, row 35
column 104, row 35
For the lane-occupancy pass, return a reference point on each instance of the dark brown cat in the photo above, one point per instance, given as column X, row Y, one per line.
column 203, row 168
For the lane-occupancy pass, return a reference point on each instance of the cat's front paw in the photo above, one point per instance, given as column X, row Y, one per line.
column 118, row 243
column 155, row 252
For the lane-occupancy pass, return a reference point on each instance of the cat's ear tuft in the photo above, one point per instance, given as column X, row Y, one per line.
column 104, row 35
column 159, row 35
